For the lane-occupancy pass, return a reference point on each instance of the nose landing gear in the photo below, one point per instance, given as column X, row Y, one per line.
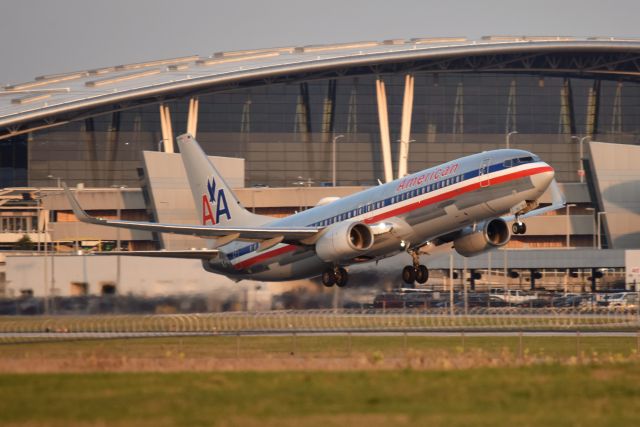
column 335, row 276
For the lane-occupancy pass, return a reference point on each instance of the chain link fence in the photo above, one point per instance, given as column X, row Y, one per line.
column 25, row 328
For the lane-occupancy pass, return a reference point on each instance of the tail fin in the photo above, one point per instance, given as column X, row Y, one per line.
column 214, row 199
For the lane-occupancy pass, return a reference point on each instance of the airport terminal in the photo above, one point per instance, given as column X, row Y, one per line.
column 291, row 127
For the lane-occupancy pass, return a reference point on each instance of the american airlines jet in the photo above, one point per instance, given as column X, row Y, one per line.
column 467, row 202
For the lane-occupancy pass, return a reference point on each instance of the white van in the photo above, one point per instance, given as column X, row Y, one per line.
column 512, row 296
column 621, row 300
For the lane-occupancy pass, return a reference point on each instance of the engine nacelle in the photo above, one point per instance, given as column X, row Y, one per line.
column 343, row 241
column 492, row 234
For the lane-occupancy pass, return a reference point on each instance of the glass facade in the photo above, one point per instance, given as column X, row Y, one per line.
column 284, row 131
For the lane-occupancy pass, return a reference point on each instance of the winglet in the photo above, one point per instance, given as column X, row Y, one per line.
column 77, row 209
column 557, row 197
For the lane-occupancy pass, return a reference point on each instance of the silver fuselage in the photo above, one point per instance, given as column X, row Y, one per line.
column 416, row 209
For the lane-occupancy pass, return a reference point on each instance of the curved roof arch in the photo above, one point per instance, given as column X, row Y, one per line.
column 57, row 99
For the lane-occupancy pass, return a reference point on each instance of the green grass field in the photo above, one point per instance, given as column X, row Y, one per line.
column 527, row 396
column 312, row 352
column 322, row 380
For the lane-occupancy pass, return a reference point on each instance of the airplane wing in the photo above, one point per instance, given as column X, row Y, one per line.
column 189, row 254
column 269, row 235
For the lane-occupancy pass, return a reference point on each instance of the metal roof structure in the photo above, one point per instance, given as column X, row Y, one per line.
column 53, row 100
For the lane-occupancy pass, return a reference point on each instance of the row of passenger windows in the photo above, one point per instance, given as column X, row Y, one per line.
column 389, row 201
column 371, row 207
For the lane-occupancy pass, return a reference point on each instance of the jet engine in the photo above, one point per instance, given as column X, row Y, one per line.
column 343, row 241
column 484, row 237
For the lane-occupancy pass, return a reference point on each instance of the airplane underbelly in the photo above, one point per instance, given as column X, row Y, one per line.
column 293, row 264
column 299, row 269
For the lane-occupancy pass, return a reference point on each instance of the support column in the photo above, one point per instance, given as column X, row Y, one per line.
column 167, row 131
column 328, row 110
column 593, row 108
column 458, row 111
column 383, row 119
column 616, row 113
column 112, row 148
column 192, row 118
column 567, row 122
column 245, row 120
column 352, row 119
column 90, row 140
column 405, row 129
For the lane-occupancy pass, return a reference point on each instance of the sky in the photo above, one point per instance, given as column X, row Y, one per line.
column 39, row 37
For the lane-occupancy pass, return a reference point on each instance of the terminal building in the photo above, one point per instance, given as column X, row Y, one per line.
column 306, row 122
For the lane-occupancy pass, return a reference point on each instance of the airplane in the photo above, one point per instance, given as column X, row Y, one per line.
column 467, row 202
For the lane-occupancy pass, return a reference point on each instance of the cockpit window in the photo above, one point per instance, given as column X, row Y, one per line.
column 521, row 160
column 507, row 163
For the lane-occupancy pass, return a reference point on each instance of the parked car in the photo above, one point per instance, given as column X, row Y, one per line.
column 570, row 300
column 513, row 296
column 389, row 300
column 534, row 303
column 620, row 300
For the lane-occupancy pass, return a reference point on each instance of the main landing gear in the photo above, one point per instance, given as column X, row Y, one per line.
column 416, row 272
column 518, row 227
column 335, row 276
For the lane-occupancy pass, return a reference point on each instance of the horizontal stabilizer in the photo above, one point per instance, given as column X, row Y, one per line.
column 257, row 233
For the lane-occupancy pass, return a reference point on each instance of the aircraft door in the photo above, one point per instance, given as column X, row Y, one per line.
column 483, row 172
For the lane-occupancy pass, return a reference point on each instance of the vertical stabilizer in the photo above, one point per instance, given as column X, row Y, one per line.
column 214, row 200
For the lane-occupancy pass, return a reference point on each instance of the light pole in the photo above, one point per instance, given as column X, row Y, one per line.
column 580, row 167
column 509, row 137
column 578, row 142
column 121, row 206
column 38, row 214
column 333, row 159
column 599, row 228
column 57, row 178
column 569, row 205
column 45, row 263
column 301, row 183
column 593, row 223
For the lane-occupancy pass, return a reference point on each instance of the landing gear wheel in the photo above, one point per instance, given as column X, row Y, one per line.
column 342, row 277
column 519, row 227
column 422, row 274
column 328, row 278
column 409, row 274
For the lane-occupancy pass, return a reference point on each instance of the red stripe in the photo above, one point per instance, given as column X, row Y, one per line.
column 408, row 208
column 456, row 192
column 251, row 261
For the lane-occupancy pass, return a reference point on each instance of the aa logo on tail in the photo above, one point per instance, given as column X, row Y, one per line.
column 214, row 198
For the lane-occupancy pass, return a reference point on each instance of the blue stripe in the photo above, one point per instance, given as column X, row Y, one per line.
column 396, row 198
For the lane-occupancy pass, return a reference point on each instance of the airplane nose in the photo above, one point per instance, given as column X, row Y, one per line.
column 543, row 179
